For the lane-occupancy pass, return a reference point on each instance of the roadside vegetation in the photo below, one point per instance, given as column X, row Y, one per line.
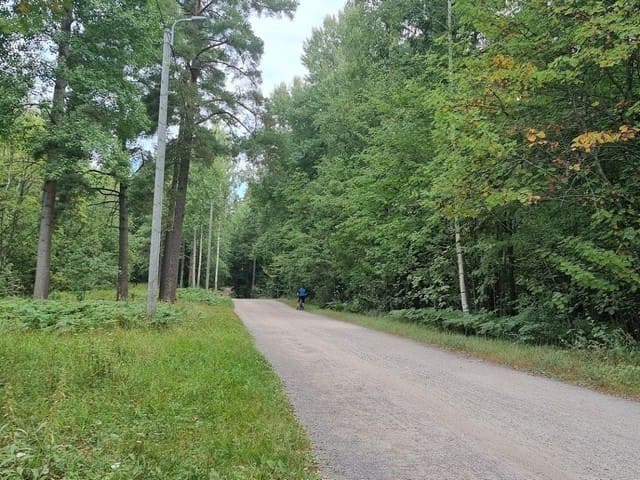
column 92, row 390
column 613, row 369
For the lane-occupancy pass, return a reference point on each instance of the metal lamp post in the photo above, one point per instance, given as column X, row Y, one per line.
column 158, row 190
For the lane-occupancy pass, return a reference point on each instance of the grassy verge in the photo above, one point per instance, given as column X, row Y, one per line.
column 188, row 399
column 611, row 371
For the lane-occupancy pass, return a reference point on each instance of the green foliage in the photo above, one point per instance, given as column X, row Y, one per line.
column 19, row 203
column 9, row 283
column 198, row 295
column 101, row 57
column 526, row 327
column 210, row 183
column 72, row 316
column 518, row 328
column 192, row 400
column 80, row 271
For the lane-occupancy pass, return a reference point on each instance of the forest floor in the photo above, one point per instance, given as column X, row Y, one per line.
column 378, row 406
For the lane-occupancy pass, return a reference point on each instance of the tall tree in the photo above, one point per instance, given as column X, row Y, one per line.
column 19, row 178
column 211, row 56
column 97, row 47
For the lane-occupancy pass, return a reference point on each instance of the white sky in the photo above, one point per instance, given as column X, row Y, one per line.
column 284, row 39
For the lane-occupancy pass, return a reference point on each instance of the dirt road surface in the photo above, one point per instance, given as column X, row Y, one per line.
column 382, row 407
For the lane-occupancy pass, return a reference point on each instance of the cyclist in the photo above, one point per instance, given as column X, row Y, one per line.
column 302, row 295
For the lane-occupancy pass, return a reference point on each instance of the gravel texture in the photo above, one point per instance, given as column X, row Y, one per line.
column 378, row 406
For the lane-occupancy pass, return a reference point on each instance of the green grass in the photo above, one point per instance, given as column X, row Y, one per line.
column 192, row 399
column 611, row 371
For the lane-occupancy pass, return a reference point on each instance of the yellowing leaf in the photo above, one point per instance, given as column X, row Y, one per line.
column 532, row 199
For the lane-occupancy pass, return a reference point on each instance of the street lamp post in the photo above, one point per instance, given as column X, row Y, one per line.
column 158, row 190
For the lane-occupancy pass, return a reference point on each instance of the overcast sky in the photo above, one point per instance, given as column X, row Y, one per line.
column 284, row 39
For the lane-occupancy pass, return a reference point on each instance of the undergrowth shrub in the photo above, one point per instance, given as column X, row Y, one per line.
column 65, row 315
column 198, row 295
column 9, row 282
column 525, row 327
column 588, row 334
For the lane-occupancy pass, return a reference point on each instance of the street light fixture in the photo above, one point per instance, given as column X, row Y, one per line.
column 158, row 190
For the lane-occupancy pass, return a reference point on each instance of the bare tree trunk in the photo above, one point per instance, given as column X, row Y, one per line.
column 253, row 277
column 181, row 267
column 215, row 286
column 43, row 266
column 7, row 187
column 200, row 257
column 192, row 260
column 463, row 287
column 185, row 140
column 123, row 244
column 459, row 252
column 206, row 283
column 169, row 280
column 192, row 271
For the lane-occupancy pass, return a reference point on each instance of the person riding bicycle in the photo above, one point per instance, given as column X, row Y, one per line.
column 302, row 295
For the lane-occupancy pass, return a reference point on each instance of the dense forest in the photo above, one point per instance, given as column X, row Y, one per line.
column 445, row 171
column 79, row 90
column 480, row 157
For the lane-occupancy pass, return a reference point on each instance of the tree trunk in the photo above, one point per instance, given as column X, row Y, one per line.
column 192, row 260
column 123, row 245
column 200, row 257
column 206, row 283
column 253, row 277
column 43, row 265
column 169, row 281
column 43, row 262
column 181, row 267
column 461, row 277
column 215, row 285
column 169, row 277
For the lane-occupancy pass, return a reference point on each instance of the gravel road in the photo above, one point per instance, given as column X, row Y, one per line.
column 382, row 407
